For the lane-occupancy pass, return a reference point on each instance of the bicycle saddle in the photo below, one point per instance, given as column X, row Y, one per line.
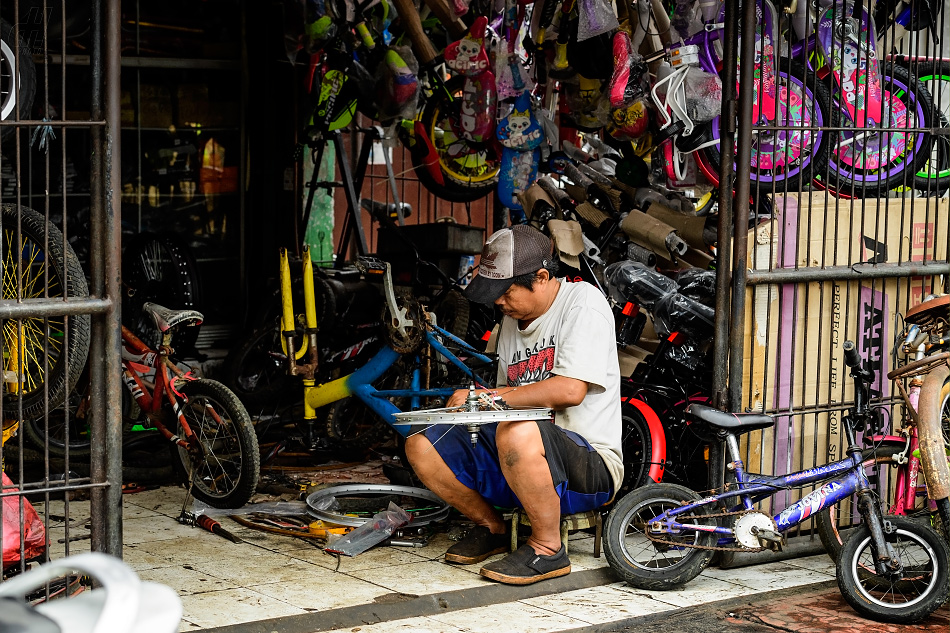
column 166, row 319
column 927, row 313
column 389, row 210
column 734, row 422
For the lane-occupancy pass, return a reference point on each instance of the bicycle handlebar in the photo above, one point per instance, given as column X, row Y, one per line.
column 851, row 354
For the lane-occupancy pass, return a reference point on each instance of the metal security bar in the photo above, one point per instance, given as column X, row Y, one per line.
column 60, row 257
column 839, row 210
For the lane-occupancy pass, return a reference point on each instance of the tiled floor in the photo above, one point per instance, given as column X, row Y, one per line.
column 267, row 576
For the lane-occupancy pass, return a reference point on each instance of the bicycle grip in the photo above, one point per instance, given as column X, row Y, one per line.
column 409, row 16
column 851, row 354
column 577, row 177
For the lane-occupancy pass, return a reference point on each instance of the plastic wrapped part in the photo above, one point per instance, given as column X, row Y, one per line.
column 689, row 356
column 634, row 282
column 698, row 284
column 678, row 313
column 372, row 532
column 397, row 88
column 703, row 95
column 281, row 508
column 595, row 17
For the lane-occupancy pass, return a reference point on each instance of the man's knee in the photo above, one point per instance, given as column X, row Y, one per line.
column 522, row 438
column 417, row 446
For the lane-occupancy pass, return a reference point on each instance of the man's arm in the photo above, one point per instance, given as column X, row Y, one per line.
column 556, row 392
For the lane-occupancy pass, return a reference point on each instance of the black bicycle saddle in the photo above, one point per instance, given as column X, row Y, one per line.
column 166, row 319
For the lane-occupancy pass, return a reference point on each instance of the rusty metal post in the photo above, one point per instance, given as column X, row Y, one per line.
column 740, row 219
column 106, row 459
column 933, row 456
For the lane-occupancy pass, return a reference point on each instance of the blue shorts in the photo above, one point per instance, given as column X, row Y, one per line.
column 580, row 476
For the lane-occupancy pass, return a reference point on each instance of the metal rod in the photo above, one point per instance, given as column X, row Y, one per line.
column 740, row 218
column 847, row 273
column 49, row 307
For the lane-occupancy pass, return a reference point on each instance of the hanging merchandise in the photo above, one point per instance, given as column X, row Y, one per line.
column 510, row 71
column 629, row 117
column 397, row 88
column 595, row 17
column 467, row 57
column 520, row 135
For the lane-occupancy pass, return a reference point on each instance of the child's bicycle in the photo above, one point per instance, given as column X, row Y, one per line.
column 213, row 444
column 892, row 569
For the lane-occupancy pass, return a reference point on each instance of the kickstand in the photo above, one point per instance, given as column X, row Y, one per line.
column 185, row 517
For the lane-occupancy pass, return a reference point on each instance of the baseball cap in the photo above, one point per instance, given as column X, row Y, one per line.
column 508, row 253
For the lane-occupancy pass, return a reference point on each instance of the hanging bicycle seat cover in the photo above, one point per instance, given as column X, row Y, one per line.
column 475, row 118
column 520, row 136
column 467, row 56
column 397, row 87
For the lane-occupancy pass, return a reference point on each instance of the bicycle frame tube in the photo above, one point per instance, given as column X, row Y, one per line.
column 846, row 477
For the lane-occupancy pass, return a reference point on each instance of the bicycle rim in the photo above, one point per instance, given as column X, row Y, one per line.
column 354, row 499
column 465, row 164
column 935, row 173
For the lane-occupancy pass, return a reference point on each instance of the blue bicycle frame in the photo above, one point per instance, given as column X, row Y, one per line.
column 360, row 382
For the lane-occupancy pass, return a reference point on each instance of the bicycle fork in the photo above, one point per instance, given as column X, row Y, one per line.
column 287, row 327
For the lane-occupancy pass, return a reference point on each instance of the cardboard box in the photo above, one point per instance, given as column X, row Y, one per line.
column 793, row 360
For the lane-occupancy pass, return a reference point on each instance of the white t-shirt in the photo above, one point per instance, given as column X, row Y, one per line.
column 575, row 338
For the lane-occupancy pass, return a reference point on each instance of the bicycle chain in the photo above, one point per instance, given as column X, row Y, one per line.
column 714, row 548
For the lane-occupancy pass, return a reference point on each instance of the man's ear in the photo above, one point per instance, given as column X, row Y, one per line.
column 543, row 275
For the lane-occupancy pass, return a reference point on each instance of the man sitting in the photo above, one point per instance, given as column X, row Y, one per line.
column 556, row 349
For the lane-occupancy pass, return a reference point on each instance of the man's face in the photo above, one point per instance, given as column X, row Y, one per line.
column 520, row 303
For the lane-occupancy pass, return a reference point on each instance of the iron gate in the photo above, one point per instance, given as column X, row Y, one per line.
column 814, row 268
column 60, row 252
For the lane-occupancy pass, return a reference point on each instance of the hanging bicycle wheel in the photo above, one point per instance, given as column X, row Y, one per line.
column 470, row 170
column 870, row 163
column 42, row 357
column 934, row 177
column 16, row 91
column 159, row 269
column 785, row 157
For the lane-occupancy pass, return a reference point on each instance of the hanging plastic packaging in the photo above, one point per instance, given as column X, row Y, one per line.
column 34, row 534
column 624, row 85
column 678, row 313
column 632, row 281
column 699, row 284
column 595, row 17
column 373, row 532
column 520, row 136
column 467, row 57
column 397, row 88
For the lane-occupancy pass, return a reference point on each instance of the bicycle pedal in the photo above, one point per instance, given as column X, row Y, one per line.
column 771, row 539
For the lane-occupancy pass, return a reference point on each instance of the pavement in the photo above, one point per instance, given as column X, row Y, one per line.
column 278, row 584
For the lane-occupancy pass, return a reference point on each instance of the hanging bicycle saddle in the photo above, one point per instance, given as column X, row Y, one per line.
column 166, row 319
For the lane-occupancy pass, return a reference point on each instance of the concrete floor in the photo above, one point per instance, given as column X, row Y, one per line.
column 223, row 584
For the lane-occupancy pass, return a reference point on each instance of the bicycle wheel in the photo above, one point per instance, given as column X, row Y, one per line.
column 470, row 170
column 872, row 164
column 15, row 92
column 786, row 158
column 908, row 597
column 256, row 369
column 66, row 425
column 934, row 177
column 42, row 357
column 226, row 458
column 159, row 269
column 640, row 560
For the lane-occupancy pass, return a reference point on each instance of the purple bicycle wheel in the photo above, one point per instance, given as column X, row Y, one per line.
column 783, row 157
column 881, row 161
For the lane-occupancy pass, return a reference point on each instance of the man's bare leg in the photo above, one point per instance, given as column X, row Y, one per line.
column 521, row 453
column 439, row 478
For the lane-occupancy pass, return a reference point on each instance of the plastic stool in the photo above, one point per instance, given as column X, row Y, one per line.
column 569, row 523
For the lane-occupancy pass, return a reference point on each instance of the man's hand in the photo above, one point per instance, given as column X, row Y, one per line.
column 458, row 398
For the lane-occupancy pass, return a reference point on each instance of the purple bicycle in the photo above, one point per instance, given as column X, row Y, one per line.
column 662, row 536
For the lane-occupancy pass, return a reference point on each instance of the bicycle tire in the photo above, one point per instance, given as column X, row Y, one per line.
column 835, row 529
column 14, row 51
column 900, row 170
column 452, row 314
column 633, row 556
column 48, row 434
column 815, row 91
column 255, row 371
column 237, row 456
column 921, row 589
column 41, row 252
column 353, row 427
column 159, row 269
column 934, row 176
column 470, row 178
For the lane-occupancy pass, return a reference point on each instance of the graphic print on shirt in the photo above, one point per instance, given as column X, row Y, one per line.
column 533, row 364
